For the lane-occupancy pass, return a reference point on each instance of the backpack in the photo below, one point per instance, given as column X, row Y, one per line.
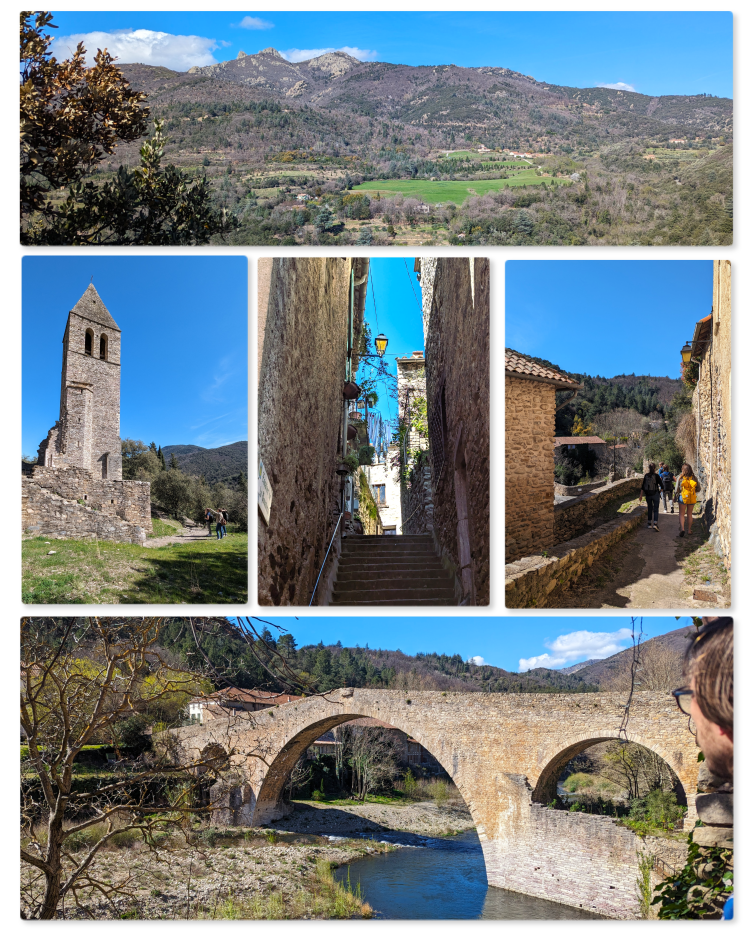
column 687, row 491
column 650, row 484
column 667, row 480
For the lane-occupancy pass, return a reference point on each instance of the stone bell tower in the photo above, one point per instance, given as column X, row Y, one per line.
column 87, row 434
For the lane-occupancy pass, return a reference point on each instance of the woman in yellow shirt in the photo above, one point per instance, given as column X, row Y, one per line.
column 687, row 487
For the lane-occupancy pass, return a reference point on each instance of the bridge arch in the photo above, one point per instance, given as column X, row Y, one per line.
column 269, row 803
column 545, row 788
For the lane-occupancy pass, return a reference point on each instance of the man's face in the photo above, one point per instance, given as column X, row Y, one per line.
column 715, row 742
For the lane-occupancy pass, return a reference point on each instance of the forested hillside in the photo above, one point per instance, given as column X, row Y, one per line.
column 325, row 666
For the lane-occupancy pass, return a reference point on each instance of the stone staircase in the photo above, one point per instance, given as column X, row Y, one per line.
column 392, row 571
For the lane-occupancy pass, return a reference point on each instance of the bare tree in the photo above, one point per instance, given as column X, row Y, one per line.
column 659, row 669
column 80, row 680
column 373, row 756
column 636, row 769
column 300, row 776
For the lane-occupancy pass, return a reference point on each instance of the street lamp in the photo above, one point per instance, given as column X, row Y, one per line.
column 381, row 342
column 686, row 352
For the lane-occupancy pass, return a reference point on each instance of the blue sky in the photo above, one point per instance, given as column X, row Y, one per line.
column 397, row 313
column 656, row 53
column 606, row 318
column 510, row 642
column 184, row 343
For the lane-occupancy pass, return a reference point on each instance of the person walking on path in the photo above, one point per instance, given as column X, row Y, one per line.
column 208, row 517
column 667, row 483
column 219, row 523
column 224, row 519
column 687, row 487
column 651, row 489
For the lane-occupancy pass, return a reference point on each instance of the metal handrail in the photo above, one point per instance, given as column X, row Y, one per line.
column 320, row 571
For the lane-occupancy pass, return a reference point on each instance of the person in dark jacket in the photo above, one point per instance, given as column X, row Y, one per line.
column 651, row 488
column 667, row 484
column 208, row 517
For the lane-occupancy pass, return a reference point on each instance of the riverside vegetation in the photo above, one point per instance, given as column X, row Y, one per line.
column 334, row 151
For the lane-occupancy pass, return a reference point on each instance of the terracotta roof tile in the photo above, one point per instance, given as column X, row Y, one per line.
column 518, row 365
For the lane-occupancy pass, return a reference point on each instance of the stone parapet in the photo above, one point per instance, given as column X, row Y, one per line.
column 48, row 514
column 572, row 491
column 531, row 581
column 579, row 514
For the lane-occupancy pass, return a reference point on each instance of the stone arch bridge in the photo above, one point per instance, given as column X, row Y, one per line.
column 504, row 752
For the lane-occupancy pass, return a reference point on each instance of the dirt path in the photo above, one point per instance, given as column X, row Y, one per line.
column 649, row 570
column 188, row 535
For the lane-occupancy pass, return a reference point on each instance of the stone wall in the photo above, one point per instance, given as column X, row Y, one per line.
column 301, row 418
column 457, row 367
column 128, row 500
column 498, row 749
column 570, row 491
column 712, row 409
column 577, row 515
column 530, row 581
column 416, row 500
column 529, row 467
column 46, row 513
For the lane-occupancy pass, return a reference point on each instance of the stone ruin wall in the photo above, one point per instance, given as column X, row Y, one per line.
column 45, row 513
column 712, row 409
column 457, row 354
column 303, row 366
column 128, row 500
column 529, row 467
column 574, row 517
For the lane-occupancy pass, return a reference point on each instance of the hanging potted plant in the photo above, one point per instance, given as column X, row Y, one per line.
column 351, row 432
column 351, row 463
column 351, row 390
column 355, row 416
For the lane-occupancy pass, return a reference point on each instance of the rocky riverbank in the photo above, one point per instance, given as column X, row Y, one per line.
column 275, row 873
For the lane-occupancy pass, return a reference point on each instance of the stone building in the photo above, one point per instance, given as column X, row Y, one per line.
column 530, row 391
column 385, row 488
column 310, row 315
column 448, row 494
column 75, row 489
column 87, row 434
column 712, row 410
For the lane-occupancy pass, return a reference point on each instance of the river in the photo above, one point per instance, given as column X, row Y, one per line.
column 443, row 879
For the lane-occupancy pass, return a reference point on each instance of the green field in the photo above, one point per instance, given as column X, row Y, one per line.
column 89, row 571
column 453, row 191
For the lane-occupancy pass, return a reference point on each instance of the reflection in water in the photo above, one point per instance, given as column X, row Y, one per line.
column 444, row 879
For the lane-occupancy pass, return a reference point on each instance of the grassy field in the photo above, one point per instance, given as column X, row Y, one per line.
column 89, row 571
column 453, row 191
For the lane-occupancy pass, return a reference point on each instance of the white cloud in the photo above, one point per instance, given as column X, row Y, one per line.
column 302, row 55
column 619, row 86
column 577, row 646
column 477, row 660
column 252, row 22
column 141, row 45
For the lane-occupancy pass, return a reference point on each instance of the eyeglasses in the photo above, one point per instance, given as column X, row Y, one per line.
column 684, row 697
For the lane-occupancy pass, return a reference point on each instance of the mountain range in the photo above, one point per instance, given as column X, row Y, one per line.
column 219, row 464
column 335, row 94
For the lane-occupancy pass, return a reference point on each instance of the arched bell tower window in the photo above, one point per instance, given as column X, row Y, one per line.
column 89, row 343
column 103, row 345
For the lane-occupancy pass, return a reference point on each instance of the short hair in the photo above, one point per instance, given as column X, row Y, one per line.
column 709, row 660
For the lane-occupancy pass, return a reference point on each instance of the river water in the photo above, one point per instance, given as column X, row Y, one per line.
column 443, row 879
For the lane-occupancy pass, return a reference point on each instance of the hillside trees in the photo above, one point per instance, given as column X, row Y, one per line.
column 71, row 119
